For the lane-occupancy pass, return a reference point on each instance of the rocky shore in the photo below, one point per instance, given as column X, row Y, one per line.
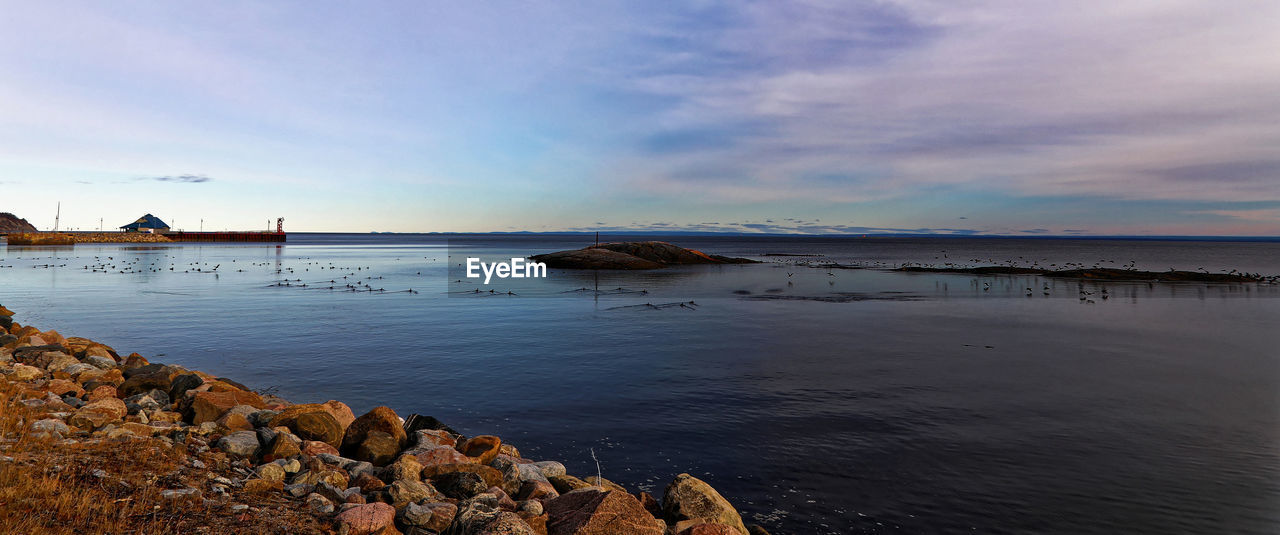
column 105, row 443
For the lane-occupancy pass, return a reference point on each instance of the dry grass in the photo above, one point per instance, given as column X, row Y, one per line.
column 108, row 486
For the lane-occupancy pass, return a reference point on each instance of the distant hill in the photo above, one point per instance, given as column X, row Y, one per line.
column 10, row 223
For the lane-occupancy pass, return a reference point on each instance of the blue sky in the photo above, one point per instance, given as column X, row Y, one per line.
column 969, row 117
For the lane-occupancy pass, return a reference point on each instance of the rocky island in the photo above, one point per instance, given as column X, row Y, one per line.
column 95, row 442
column 10, row 224
column 632, row 255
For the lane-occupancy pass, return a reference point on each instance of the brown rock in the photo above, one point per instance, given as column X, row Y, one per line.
column 408, row 491
column 438, row 455
column 378, row 448
column 689, row 498
column 316, row 447
column 427, row 438
column 282, row 447
column 482, row 449
column 381, row 419
column 406, row 467
column 62, row 387
column 340, row 412
column 492, row 477
column 433, row 516
column 538, row 523
column 366, row 519
column 165, row 417
column 596, row 511
column 367, row 482
column 332, row 476
column 505, row 523
column 209, row 406
column 567, row 483
column 142, row 383
column 262, row 486
column 104, row 391
column 536, row 490
column 89, row 419
column 233, row 421
column 140, row 429
column 112, row 406
column 320, row 426
column 704, row 529
column 650, row 504
column 507, row 449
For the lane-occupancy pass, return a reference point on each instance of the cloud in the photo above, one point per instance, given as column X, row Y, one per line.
column 184, row 179
column 1026, row 99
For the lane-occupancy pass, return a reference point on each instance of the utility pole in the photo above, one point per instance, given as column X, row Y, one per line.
column 202, row 224
column 99, row 224
column 57, row 218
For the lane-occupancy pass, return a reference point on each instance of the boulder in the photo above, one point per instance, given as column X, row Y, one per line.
column 430, row 438
column 438, row 455
column 417, row 422
column 689, row 498
column 536, row 490
column 597, row 511
column 319, row 425
column 482, row 449
column 182, row 383
column 338, row 412
column 52, row 427
column 332, row 476
column 407, row 490
column 283, row 446
column 381, row 419
column 367, row 482
column 139, row 383
column 319, row 504
column 233, row 421
column 209, row 406
column 102, row 392
column 460, row 485
column 100, row 362
column 433, row 516
column 240, row 443
column 406, row 467
column 315, row 447
column 490, row 475
column 270, row 472
column 378, row 448
column 63, row 387
column 56, row 361
column 505, row 523
column 366, row 519
column 22, row 372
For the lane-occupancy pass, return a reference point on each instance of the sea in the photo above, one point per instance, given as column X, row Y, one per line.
column 821, row 390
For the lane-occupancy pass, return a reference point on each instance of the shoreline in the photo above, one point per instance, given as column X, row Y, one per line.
column 227, row 458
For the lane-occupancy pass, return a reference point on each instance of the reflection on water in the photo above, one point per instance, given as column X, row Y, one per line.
column 817, row 400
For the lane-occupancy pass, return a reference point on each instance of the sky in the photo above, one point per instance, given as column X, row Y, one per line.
column 952, row 117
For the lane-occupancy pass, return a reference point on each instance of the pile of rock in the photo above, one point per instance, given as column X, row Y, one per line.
column 376, row 473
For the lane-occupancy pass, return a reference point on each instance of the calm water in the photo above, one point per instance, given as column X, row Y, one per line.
column 818, row 401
